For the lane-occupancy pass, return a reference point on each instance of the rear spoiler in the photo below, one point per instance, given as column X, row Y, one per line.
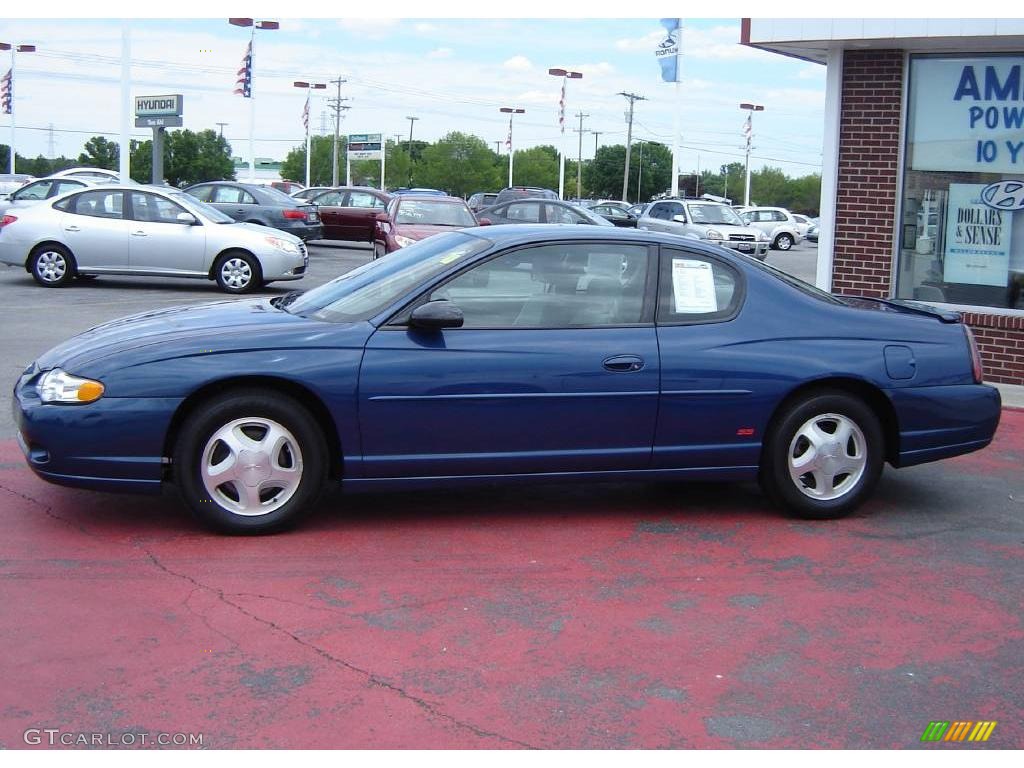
column 913, row 307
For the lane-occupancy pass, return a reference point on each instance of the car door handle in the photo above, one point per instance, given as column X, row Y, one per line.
column 623, row 363
column 138, row 233
column 72, row 228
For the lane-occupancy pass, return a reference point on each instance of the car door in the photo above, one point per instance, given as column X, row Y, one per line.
column 158, row 242
column 555, row 369
column 358, row 216
column 330, row 206
column 525, row 213
column 95, row 230
column 235, row 202
column 708, row 403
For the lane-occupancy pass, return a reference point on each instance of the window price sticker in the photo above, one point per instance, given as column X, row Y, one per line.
column 693, row 286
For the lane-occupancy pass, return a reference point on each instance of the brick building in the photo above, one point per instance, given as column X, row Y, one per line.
column 923, row 165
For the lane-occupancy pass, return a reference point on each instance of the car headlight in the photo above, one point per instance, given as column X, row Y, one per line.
column 762, row 236
column 57, row 386
column 287, row 246
column 714, row 234
column 404, row 242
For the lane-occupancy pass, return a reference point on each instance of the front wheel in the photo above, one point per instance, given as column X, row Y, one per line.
column 824, row 456
column 52, row 266
column 784, row 242
column 250, row 461
column 238, row 272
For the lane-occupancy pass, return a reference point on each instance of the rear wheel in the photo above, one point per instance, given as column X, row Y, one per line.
column 824, row 456
column 783, row 242
column 238, row 272
column 250, row 461
column 52, row 265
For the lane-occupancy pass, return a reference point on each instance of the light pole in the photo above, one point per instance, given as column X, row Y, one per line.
column 748, row 130
column 640, row 172
column 245, row 75
column 8, row 89
column 412, row 121
column 310, row 87
column 508, row 142
column 566, row 75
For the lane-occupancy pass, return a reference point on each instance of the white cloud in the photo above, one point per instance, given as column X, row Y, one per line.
column 424, row 28
column 518, row 63
column 441, row 53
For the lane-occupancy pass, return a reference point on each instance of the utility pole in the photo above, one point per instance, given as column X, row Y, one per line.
column 632, row 98
column 336, row 105
column 221, row 126
column 597, row 134
column 411, row 120
column 50, row 150
column 748, row 131
column 579, row 158
column 497, row 147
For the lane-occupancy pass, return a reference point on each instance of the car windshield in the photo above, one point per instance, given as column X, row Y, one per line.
column 366, row 290
column 441, row 213
column 186, row 200
column 713, row 213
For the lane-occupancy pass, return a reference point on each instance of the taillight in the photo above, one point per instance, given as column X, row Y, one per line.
column 7, row 219
column 291, row 213
column 975, row 355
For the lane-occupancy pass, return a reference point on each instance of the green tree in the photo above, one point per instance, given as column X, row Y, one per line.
column 535, row 167
column 458, row 163
column 321, row 161
column 189, row 157
column 100, row 152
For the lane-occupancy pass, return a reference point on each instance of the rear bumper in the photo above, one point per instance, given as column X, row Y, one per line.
column 940, row 422
column 303, row 230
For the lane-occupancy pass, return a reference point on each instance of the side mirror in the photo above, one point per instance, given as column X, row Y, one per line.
column 187, row 218
column 435, row 315
column 680, row 218
column 484, row 222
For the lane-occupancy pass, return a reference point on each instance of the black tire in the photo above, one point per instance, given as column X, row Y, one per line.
column 783, row 242
column 238, row 272
column 839, row 493
column 52, row 266
column 303, row 448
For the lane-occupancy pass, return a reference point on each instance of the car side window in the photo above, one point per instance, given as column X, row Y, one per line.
column 203, row 193
column 779, row 216
column 658, row 211
column 38, row 190
column 526, row 212
column 330, row 198
column 101, row 203
column 233, row 195
column 363, row 200
column 696, row 289
column 553, row 286
column 60, row 187
column 558, row 215
column 149, row 207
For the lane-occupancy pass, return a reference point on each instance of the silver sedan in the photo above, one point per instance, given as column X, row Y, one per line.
column 155, row 231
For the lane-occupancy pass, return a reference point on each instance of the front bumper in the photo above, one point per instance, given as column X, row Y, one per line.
column 113, row 444
column 759, row 250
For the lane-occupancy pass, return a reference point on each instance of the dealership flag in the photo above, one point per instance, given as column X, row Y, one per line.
column 508, row 141
column 667, row 51
column 243, row 85
column 305, row 114
column 7, row 92
column 561, row 108
column 748, row 128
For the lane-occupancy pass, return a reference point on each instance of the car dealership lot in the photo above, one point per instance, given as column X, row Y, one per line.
column 558, row 616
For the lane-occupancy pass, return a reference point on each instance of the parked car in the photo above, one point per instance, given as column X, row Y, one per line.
column 408, row 219
column 350, row 213
column 480, row 200
column 309, row 193
column 42, row 189
column 420, row 192
column 524, row 193
column 812, row 233
column 12, row 182
column 95, row 174
column 637, row 209
column 260, row 205
column 137, row 230
column 778, row 223
column 617, row 213
column 529, row 211
column 516, row 354
column 803, row 224
column 288, row 187
column 704, row 220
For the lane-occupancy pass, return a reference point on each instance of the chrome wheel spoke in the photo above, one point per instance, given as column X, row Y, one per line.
column 827, row 456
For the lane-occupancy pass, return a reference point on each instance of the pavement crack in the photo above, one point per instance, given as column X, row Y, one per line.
column 373, row 679
column 47, row 510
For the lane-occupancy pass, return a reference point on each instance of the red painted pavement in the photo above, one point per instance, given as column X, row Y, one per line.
column 615, row 616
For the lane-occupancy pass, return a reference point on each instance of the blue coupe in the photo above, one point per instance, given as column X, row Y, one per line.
column 512, row 353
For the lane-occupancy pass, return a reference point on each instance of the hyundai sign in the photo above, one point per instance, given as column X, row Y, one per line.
column 158, row 106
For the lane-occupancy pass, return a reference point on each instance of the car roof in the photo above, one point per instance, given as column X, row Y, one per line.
column 521, row 234
column 431, row 198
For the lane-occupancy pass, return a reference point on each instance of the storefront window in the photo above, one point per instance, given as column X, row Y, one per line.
column 961, row 236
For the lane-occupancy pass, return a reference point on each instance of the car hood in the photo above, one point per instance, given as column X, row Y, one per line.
column 258, row 231
column 180, row 332
column 421, row 231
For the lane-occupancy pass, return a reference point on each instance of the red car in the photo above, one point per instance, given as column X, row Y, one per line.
column 350, row 213
column 409, row 218
column 288, row 187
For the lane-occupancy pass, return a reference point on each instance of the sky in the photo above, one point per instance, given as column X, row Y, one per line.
column 452, row 73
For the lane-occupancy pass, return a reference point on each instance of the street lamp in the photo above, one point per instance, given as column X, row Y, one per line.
column 566, row 75
column 8, row 87
column 640, row 172
column 310, row 87
column 246, row 77
column 508, row 142
column 748, row 130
